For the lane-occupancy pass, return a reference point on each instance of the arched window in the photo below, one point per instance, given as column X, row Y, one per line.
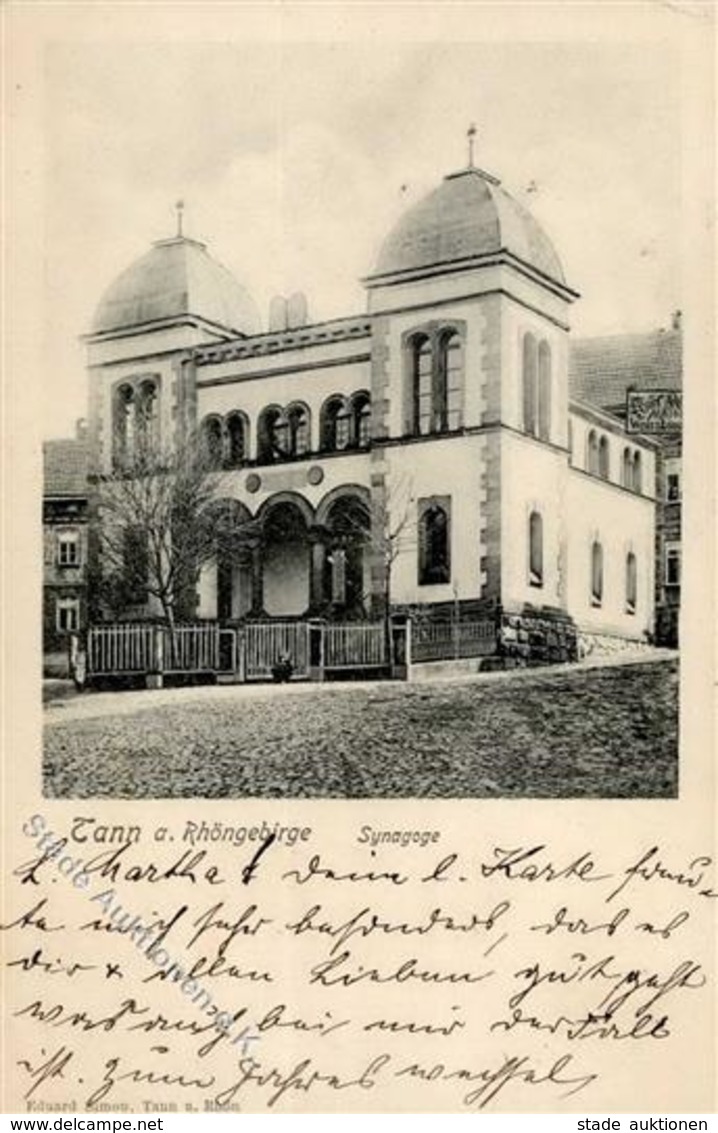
column 631, row 583
column 272, row 436
column 343, row 428
column 236, row 440
column 530, row 384
column 535, row 549
column 212, row 441
column 596, row 573
column 123, row 424
column 434, row 543
column 627, row 468
column 298, row 437
column 328, row 423
column 362, row 420
column 637, row 472
column 592, row 453
column 422, row 381
column 544, row 391
column 603, row 458
column 146, row 414
column 448, row 392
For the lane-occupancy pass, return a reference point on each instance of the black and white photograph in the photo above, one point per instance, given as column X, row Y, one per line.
column 358, row 597
column 362, row 469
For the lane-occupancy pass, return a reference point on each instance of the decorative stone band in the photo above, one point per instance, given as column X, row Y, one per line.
column 283, row 479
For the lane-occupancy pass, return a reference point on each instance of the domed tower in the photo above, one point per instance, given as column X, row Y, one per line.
column 171, row 299
column 469, row 360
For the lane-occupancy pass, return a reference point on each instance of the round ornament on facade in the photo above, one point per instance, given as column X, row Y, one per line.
column 315, row 475
column 253, row 482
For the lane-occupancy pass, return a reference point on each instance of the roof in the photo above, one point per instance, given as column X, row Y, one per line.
column 604, row 368
column 176, row 277
column 466, row 216
column 65, row 467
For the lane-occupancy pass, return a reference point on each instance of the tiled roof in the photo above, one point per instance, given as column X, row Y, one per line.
column 65, row 468
column 603, row 369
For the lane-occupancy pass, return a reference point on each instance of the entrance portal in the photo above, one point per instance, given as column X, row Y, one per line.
column 286, row 561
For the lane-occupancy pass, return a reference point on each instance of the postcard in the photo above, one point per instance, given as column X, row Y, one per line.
column 359, row 524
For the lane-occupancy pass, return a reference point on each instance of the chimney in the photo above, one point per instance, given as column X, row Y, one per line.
column 297, row 313
column 278, row 313
column 677, row 320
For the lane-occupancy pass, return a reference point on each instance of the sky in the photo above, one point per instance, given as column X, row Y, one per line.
column 294, row 159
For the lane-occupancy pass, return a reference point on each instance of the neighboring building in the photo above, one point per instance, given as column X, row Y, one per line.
column 603, row 371
column 65, row 516
column 442, row 413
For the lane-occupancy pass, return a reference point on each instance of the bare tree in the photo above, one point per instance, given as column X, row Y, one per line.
column 393, row 531
column 160, row 520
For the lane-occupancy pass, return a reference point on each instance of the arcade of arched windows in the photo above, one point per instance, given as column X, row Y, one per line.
column 325, row 570
column 598, row 461
column 225, row 439
column 285, row 433
column 345, row 422
column 135, row 419
column 435, row 365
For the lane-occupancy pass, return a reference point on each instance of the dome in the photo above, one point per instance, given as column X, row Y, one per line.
column 176, row 277
column 468, row 215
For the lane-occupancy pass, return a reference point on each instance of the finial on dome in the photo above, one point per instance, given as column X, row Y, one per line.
column 180, row 209
column 471, row 134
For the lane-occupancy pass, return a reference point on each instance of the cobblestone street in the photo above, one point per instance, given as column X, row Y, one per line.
column 606, row 732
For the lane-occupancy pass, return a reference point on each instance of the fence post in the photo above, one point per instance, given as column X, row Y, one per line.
column 154, row 678
column 398, row 640
column 316, row 650
column 240, row 654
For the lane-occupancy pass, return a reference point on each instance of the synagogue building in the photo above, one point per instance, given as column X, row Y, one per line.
column 439, row 455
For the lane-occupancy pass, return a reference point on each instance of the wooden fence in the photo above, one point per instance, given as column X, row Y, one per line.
column 354, row 646
column 266, row 643
column 191, row 649
column 244, row 653
column 251, row 651
column 121, row 649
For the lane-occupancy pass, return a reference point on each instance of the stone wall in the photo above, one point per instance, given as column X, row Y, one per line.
column 537, row 638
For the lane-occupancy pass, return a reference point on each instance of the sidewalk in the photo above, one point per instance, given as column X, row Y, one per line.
column 63, row 704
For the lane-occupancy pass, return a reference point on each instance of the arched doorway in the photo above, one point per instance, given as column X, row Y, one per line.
column 286, row 558
column 348, row 525
column 227, row 585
